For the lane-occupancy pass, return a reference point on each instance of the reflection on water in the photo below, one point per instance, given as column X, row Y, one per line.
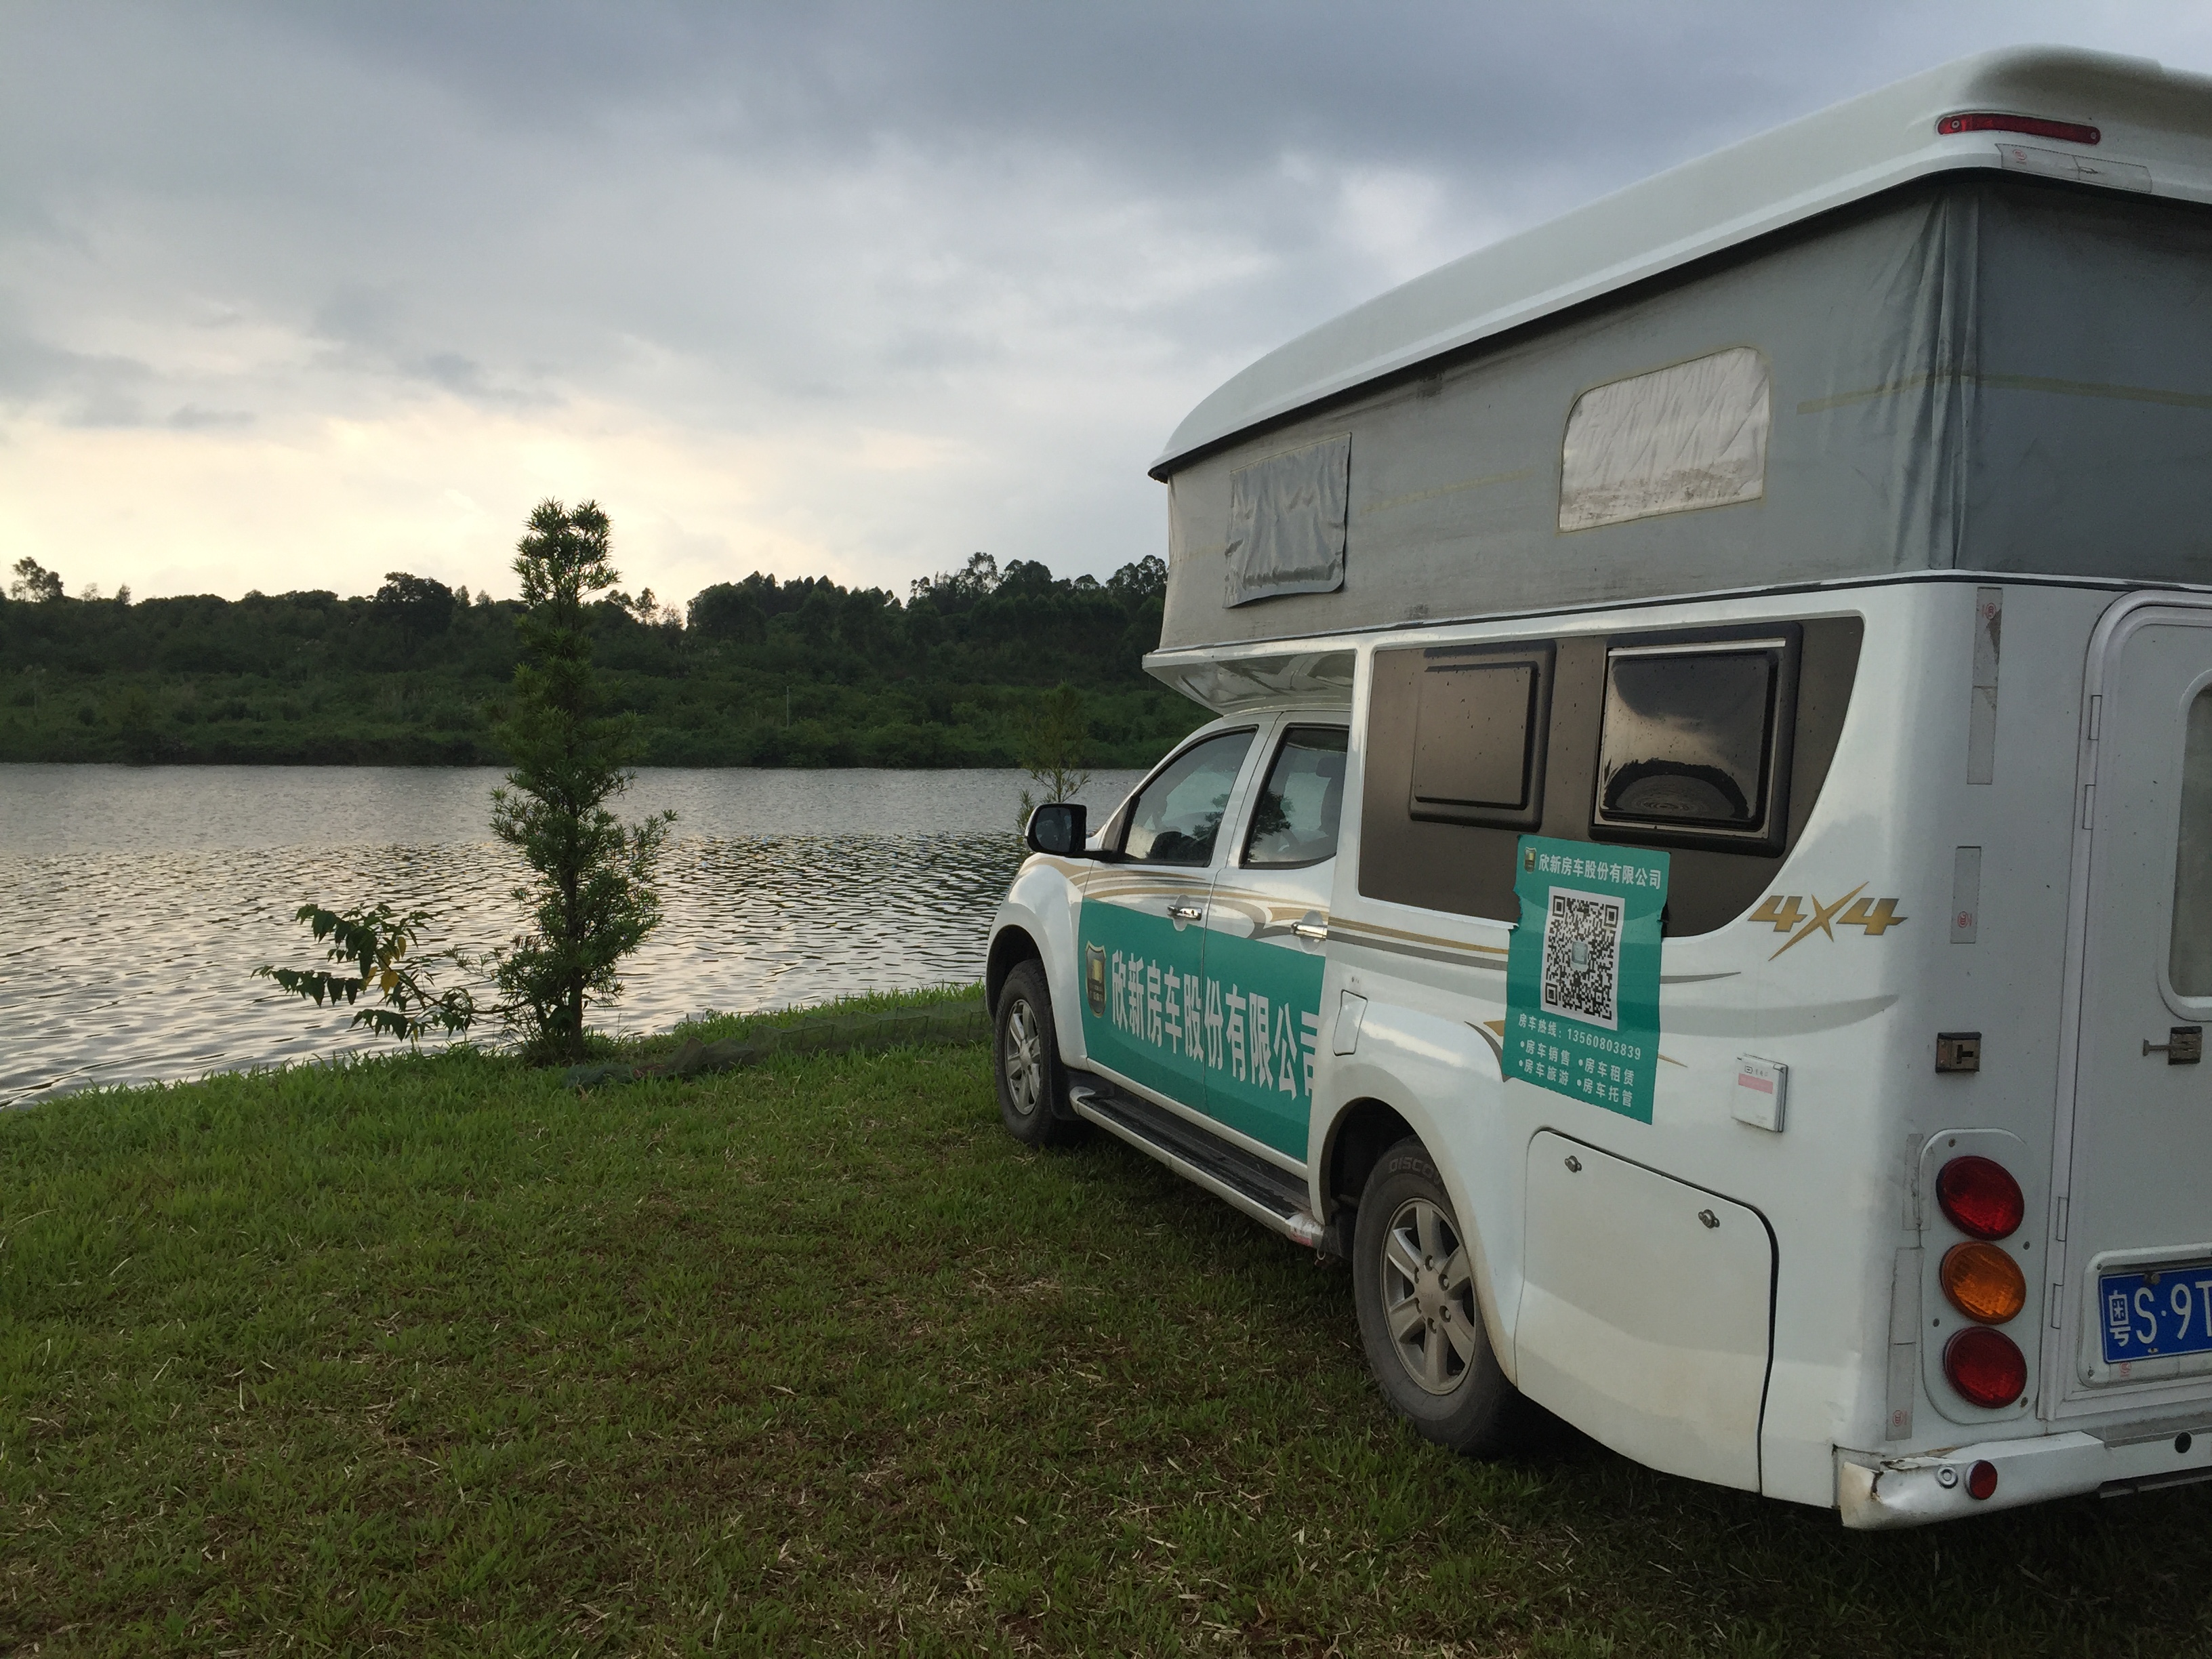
column 134, row 903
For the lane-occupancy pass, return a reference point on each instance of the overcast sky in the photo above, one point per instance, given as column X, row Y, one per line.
column 292, row 295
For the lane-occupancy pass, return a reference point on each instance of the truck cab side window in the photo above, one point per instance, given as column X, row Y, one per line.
column 1294, row 820
column 1177, row 815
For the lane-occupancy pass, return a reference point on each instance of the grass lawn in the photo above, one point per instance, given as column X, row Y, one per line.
column 433, row 1356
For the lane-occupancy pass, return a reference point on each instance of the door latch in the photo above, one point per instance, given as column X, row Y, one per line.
column 1957, row 1051
column 2184, row 1045
column 1183, row 910
column 1315, row 931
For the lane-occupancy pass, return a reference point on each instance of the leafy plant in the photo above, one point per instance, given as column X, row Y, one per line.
column 1055, row 734
column 594, row 898
column 375, row 940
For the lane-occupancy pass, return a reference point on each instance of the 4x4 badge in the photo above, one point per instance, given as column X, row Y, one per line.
column 1787, row 915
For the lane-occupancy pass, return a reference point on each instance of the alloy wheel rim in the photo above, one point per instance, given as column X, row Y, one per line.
column 1024, row 1058
column 1428, row 1295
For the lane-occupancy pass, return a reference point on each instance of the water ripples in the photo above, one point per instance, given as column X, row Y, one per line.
column 135, row 904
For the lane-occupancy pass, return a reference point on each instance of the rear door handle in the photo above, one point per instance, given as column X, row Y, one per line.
column 1181, row 910
column 1315, row 931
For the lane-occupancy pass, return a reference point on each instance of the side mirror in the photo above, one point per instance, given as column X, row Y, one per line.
column 1058, row 828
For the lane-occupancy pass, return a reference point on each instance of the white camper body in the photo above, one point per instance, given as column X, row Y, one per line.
column 1793, row 546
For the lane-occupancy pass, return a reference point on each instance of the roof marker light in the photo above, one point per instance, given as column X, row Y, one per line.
column 2073, row 133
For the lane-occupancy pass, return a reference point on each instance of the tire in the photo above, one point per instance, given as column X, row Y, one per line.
column 1412, row 1273
column 1025, row 1060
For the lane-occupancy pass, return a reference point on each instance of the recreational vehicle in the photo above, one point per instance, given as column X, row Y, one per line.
column 1699, row 880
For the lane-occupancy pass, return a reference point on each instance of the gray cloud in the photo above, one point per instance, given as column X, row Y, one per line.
column 192, row 418
column 76, row 388
column 942, row 276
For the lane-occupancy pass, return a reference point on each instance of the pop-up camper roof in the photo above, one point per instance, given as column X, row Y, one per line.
column 1964, row 322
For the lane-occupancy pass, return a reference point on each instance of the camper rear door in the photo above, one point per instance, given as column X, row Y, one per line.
column 2138, row 1289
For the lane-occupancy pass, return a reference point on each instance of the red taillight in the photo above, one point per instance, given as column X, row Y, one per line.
column 1980, row 1196
column 1982, row 1479
column 1984, row 1367
column 2073, row 133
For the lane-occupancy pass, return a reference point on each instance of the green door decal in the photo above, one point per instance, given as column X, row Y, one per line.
column 1151, row 1023
column 1207, row 1018
column 1230, row 1023
column 1265, row 998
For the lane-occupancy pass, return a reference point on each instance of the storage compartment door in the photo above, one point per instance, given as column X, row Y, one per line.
column 1645, row 1314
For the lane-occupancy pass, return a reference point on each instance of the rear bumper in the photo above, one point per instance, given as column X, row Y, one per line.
column 1876, row 1492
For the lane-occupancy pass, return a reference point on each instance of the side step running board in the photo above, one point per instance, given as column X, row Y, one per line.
column 1270, row 1195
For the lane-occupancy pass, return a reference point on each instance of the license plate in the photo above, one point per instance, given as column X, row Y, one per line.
column 2156, row 1312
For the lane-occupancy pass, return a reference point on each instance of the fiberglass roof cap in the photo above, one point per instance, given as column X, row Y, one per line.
column 2154, row 130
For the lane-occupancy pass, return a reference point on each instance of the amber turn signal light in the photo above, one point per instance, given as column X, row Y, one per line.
column 1985, row 1367
column 1983, row 1282
column 1980, row 1196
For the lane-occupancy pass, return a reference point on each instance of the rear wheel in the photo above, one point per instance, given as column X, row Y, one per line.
column 1032, row 1084
column 1413, row 1279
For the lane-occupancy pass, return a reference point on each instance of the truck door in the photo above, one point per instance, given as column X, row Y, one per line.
column 2135, row 1303
column 1264, row 934
column 1140, row 934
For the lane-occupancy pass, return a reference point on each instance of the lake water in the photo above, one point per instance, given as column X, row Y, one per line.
column 135, row 902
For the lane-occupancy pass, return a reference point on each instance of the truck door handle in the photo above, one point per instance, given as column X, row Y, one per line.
column 1315, row 931
column 1183, row 910
column 2185, row 1045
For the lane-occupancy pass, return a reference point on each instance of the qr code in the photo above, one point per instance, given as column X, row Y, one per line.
column 1582, row 957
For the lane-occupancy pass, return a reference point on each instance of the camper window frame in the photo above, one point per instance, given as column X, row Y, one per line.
column 1542, row 656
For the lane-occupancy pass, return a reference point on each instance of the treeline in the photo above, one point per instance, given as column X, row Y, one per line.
column 756, row 673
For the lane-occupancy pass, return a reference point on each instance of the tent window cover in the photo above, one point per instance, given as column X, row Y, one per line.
column 1670, row 441
column 1286, row 523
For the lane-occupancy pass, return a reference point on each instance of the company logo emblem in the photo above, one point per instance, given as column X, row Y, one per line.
column 1094, row 978
column 1786, row 913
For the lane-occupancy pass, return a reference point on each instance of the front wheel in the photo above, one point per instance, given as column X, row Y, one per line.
column 1413, row 1279
column 1032, row 1085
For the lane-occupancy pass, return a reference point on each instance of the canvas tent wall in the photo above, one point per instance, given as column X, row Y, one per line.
column 2000, row 366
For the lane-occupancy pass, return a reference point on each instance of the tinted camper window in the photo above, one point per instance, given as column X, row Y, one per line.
column 1476, row 725
column 1693, row 746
